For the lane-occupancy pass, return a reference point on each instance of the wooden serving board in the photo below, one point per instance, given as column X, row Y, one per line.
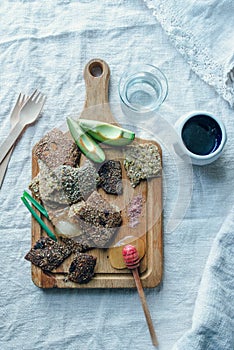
column 149, row 229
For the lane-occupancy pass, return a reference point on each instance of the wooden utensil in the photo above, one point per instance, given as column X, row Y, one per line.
column 132, row 261
column 28, row 114
column 14, row 120
column 115, row 253
column 96, row 107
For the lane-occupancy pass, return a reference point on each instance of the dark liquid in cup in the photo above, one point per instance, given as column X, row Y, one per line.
column 201, row 135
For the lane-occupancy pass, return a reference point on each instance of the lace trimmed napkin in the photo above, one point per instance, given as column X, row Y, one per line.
column 203, row 32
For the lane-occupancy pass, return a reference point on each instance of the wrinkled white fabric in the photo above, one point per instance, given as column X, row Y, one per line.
column 46, row 45
column 213, row 319
column 203, row 32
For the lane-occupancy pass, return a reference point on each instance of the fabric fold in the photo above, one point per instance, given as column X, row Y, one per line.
column 213, row 318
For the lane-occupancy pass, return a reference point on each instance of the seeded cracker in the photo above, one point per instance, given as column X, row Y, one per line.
column 111, row 177
column 50, row 188
column 82, row 268
column 96, row 236
column 75, row 246
column 98, row 220
column 56, row 148
column 47, row 254
column 66, row 185
column 97, row 211
column 77, row 183
column 142, row 161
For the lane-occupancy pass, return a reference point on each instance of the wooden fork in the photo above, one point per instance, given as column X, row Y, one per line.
column 13, row 119
column 28, row 114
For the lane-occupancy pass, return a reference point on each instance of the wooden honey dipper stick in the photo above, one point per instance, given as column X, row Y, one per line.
column 132, row 262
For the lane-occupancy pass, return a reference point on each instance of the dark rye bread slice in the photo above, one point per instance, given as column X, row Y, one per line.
column 111, row 177
column 56, row 148
column 82, row 268
column 48, row 254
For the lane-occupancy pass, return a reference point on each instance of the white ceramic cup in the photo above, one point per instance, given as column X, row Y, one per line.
column 201, row 159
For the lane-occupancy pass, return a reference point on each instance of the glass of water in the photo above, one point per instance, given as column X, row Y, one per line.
column 142, row 89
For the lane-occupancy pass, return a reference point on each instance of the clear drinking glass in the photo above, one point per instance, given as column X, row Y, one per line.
column 142, row 89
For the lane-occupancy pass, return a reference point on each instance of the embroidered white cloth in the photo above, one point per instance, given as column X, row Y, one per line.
column 203, row 32
column 45, row 45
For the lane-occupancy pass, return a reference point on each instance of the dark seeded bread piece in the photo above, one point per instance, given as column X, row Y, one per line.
column 97, row 236
column 76, row 245
column 111, row 177
column 56, row 148
column 47, row 254
column 98, row 220
column 82, row 268
column 97, row 211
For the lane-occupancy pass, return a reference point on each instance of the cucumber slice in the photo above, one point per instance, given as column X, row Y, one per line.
column 107, row 133
column 85, row 143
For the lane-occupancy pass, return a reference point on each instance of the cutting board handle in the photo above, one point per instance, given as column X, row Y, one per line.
column 96, row 76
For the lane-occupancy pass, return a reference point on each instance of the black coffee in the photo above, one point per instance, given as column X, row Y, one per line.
column 201, row 135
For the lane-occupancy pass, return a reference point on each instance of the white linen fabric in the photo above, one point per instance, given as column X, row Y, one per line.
column 46, row 45
column 203, row 32
column 213, row 319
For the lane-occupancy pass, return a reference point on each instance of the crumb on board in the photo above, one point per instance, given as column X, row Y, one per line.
column 34, row 186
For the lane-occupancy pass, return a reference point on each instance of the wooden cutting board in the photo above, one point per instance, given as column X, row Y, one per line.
column 149, row 229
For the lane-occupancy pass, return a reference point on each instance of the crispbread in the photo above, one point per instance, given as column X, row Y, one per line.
column 56, row 148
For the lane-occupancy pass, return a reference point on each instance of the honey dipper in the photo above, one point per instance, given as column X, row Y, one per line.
column 132, row 262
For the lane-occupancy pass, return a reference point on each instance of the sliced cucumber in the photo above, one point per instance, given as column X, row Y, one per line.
column 107, row 133
column 85, row 143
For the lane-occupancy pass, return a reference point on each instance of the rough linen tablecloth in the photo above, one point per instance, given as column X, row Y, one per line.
column 46, row 45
